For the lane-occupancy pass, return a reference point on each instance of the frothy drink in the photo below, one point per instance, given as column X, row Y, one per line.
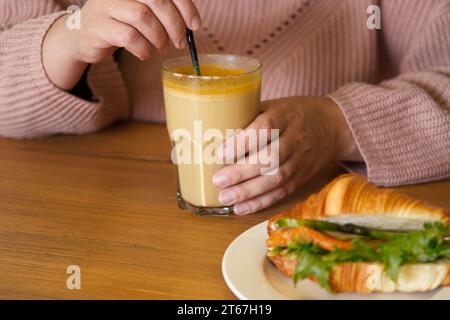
column 226, row 96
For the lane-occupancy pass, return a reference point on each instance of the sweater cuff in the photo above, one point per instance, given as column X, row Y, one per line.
column 64, row 112
column 360, row 112
column 400, row 130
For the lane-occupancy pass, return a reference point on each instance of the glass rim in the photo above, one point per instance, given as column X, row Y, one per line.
column 190, row 76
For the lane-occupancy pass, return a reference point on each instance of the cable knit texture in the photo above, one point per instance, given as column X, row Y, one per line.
column 30, row 105
column 393, row 84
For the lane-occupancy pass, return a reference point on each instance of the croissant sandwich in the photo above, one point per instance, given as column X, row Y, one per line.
column 355, row 237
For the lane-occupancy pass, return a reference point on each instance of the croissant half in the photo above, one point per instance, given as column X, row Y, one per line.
column 351, row 199
column 362, row 277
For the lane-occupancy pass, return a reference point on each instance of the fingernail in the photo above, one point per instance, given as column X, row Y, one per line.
column 196, row 23
column 241, row 209
column 227, row 197
column 220, row 180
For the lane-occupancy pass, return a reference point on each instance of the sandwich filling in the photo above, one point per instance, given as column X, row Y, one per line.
column 320, row 245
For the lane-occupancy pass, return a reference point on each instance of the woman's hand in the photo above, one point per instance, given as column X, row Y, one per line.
column 136, row 25
column 312, row 134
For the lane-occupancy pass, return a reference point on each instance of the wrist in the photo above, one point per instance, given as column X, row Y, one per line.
column 346, row 148
column 59, row 56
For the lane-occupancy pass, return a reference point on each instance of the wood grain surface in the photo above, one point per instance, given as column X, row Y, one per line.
column 106, row 202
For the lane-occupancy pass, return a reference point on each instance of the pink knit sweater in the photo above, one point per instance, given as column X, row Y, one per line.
column 393, row 84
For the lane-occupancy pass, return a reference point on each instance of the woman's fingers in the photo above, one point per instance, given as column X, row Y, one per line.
column 171, row 19
column 122, row 35
column 277, row 152
column 190, row 13
column 300, row 176
column 267, row 126
column 266, row 200
column 139, row 16
column 108, row 24
column 259, row 185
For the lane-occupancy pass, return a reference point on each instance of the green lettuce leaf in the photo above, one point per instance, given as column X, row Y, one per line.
column 423, row 246
column 426, row 245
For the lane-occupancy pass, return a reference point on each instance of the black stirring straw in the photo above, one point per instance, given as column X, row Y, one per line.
column 193, row 51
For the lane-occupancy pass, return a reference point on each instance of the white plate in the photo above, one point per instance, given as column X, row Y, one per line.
column 249, row 275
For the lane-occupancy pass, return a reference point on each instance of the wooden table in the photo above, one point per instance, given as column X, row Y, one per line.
column 106, row 202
